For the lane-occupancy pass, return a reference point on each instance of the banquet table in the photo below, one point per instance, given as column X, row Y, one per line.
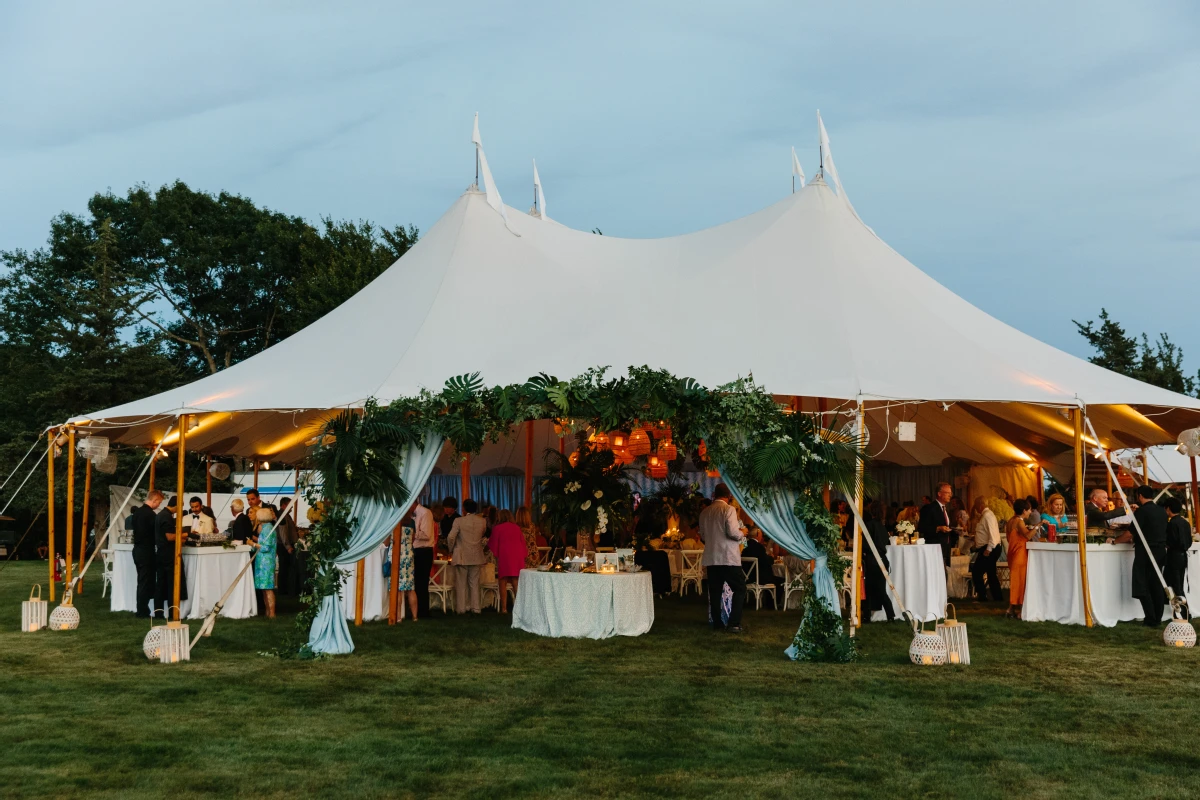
column 209, row 571
column 1054, row 592
column 919, row 574
column 583, row 604
column 122, row 592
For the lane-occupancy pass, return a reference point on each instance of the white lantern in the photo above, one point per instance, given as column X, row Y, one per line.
column 1179, row 633
column 954, row 634
column 65, row 617
column 34, row 610
column 175, row 645
column 152, row 644
column 927, row 649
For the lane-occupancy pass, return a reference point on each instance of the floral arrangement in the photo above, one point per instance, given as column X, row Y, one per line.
column 905, row 530
column 1001, row 508
column 589, row 497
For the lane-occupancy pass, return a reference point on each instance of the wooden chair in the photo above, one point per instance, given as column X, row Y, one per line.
column 107, row 574
column 793, row 583
column 692, row 572
column 753, row 586
column 441, row 585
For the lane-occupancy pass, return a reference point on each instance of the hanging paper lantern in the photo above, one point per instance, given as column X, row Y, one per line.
column 667, row 449
column 621, row 455
column 657, row 467
column 33, row 611
column 661, row 431
column 598, row 440
column 639, row 443
column 618, row 439
column 64, row 618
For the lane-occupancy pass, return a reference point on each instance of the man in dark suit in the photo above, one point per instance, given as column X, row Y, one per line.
column 142, row 522
column 240, row 527
column 1147, row 588
column 1179, row 541
column 1096, row 509
column 164, row 540
column 934, row 524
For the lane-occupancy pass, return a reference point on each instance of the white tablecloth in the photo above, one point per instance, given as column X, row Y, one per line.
column 920, row 576
column 209, row 571
column 579, row 604
column 375, row 587
column 122, row 593
column 1054, row 593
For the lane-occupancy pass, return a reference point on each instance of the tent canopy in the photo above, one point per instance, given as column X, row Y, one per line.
column 801, row 294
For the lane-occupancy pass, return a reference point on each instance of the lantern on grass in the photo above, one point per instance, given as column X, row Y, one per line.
column 175, row 645
column 927, row 649
column 34, row 610
column 152, row 643
column 954, row 634
column 65, row 617
column 667, row 449
column 1179, row 632
column 639, row 443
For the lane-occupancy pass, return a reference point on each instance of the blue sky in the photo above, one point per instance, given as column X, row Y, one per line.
column 1040, row 159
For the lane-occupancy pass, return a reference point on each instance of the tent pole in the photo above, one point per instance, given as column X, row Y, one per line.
column 359, row 579
column 1195, row 498
column 394, row 593
column 183, row 427
column 1041, row 485
column 1081, row 523
column 153, row 464
column 256, row 473
column 208, row 480
column 466, row 477
column 1145, row 469
column 856, row 572
column 50, row 508
column 529, row 464
column 1107, row 477
column 70, row 526
column 83, row 525
column 821, row 426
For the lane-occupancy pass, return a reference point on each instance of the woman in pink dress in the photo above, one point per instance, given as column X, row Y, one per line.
column 508, row 545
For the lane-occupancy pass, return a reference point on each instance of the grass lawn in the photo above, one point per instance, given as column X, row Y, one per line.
column 453, row 707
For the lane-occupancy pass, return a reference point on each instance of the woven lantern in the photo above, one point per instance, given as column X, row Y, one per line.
column 639, row 443
column 954, row 634
column 65, row 617
column 176, row 643
column 621, row 455
column 573, row 459
column 618, row 439
column 927, row 649
column 661, row 431
column 1179, row 633
column 598, row 440
column 657, row 467
column 34, row 610
column 667, row 449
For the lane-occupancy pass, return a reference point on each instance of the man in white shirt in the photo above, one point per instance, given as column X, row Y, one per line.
column 424, row 551
column 986, row 550
column 722, row 536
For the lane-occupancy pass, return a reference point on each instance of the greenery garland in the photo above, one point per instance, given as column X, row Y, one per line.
column 758, row 442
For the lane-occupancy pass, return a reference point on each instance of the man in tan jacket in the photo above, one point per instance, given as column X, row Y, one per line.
column 466, row 546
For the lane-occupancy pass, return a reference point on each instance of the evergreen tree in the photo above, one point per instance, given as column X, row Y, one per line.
column 1160, row 363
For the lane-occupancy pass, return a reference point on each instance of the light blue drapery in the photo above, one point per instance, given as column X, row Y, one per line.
column 784, row 528
column 373, row 522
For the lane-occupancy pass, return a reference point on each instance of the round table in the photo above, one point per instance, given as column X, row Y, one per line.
column 209, row 571
column 1054, row 592
column 584, row 604
column 123, row 589
column 919, row 573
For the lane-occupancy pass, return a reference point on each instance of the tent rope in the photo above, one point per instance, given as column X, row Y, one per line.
column 22, row 486
column 37, row 441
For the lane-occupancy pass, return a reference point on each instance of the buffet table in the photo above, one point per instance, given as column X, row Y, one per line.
column 1054, row 592
column 920, row 577
column 583, row 604
column 209, row 571
column 123, row 589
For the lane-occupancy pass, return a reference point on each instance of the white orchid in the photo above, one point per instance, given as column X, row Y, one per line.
column 597, row 494
column 586, row 505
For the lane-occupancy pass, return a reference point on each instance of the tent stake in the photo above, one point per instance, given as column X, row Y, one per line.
column 50, row 508
column 1082, row 517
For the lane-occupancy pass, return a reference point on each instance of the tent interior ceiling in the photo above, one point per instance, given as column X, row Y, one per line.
column 805, row 269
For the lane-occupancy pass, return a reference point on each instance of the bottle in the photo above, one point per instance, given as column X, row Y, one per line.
column 1051, row 532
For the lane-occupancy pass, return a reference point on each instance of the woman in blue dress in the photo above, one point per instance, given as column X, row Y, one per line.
column 406, row 584
column 264, row 562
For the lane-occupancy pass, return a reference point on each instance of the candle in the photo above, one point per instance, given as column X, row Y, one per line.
column 1179, row 642
column 927, row 660
column 953, row 658
column 33, row 626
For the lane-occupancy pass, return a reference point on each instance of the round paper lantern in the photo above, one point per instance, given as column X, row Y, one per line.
column 152, row 644
column 927, row 649
column 621, row 455
column 599, row 440
column 657, row 467
column 639, row 443
column 618, row 439
column 667, row 449
column 64, row 618
column 661, row 431
column 1179, row 633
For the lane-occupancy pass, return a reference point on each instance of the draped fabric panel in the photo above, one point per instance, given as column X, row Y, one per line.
column 898, row 484
column 785, row 529
column 502, row 491
column 373, row 522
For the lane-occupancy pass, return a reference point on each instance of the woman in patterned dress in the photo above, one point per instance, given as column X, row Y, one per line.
column 406, row 584
column 525, row 520
column 264, row 561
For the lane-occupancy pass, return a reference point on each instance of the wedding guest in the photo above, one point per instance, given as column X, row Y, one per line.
column 889, row 522
column 1018, row 534
column 507, row 544
column 876, row 584
column 145, row 528
column 449, row 514
column 424, row 551
column 722, row 558
column 934, row 524
column 986, row 550
column 253, row 503
column 1179, row 541
column 961, row 536
column 1033, row 519
column 285, row 547
column 1055, row 513
column 241, row 529
column 533, row 536
column 264, row 560
column 201, row 518
column 405, row 572
column 164, row 543
column 466, row 544
column 1096, row 510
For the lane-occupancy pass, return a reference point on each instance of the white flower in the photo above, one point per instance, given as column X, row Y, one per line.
column 586, row 505
column 349, row 472
column 597, row 494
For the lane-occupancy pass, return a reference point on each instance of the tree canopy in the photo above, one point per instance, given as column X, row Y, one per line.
column 1159, row 363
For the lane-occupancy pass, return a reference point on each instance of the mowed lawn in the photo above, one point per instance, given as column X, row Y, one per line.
column 468, row 707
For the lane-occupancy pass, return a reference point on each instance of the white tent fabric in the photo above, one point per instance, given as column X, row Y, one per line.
column 801, row 294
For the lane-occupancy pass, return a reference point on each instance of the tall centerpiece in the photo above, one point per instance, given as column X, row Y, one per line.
column 585, row 499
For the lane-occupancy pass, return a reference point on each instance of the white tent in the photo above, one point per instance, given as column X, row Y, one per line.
column 802, row 294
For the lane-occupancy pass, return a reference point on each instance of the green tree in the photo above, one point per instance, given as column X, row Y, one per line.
column 1159, row 363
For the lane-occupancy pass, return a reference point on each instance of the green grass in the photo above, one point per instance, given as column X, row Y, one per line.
column 454, row 707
